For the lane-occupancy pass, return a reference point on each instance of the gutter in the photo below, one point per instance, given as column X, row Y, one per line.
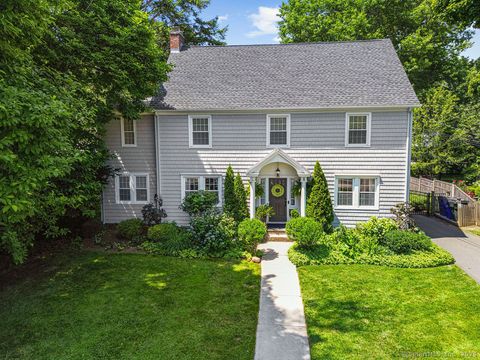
column 408, row 153
column 157, row 154
column 283, row 110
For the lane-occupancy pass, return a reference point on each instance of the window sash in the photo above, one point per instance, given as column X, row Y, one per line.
column 141, row 188
column 191, row 185
column 345, row 192
column 200, row 131
column 358, row 129
column 124, row 192
column 278, row 130
column 367, row 192
column 128, row 132
column 211, row 185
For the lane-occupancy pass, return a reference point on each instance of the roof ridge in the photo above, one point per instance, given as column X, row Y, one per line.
column 289, row 44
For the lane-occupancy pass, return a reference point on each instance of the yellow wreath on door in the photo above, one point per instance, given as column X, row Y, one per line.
column 278, row 190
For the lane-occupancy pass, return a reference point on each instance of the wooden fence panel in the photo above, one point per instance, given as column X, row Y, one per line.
column 469, row 214
column 440, row 187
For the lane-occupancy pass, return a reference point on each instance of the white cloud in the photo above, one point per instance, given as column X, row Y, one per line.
column 223, row 18
column 265, row 21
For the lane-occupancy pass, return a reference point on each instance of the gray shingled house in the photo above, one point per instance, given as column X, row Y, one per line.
column 271, row 111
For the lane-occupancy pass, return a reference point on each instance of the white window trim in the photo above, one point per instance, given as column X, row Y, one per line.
column 347, row 128
column 123, row 133
column 201, row 184
column 133, row 192
column 356, row 193
column 190, row 131
column 270, row 146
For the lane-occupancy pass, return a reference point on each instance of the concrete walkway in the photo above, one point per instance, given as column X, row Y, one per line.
column 464, row 247
column 281, row 329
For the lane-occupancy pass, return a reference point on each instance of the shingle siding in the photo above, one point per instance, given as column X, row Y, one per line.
column 240, row 140
column 139, row 159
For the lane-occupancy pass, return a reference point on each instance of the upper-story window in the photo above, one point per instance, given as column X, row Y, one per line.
column 132, row 188
column 278, row 130
column 129, row 132
column 357, row 192
column 200, row 131
column 357, row 129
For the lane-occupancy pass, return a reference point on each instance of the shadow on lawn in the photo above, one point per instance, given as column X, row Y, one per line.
column 198, row 305
column 338, row 316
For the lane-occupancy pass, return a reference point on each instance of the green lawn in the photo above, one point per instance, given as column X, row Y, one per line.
column 474, row 231
column 362, row 311
column 131, row 306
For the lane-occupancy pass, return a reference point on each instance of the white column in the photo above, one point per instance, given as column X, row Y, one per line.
column 252, row 197
column 303, row 197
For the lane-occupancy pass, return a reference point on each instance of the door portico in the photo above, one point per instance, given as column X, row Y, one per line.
column 280, row 171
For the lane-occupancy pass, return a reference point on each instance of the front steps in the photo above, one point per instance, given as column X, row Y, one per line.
column 277, row 235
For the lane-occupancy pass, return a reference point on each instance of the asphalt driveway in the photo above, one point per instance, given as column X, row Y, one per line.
column 464, row 247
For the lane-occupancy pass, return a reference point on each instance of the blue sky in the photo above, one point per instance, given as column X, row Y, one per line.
column 254, row 22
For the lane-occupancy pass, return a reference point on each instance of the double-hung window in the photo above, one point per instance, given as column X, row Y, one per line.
column 356, row 192
column 193, row 183
column 278, row 130
column 358, row 129
column 200, row 131
column 129, row 132
column 132, row 188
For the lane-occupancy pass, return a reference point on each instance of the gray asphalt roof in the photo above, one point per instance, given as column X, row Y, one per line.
column 286, row 76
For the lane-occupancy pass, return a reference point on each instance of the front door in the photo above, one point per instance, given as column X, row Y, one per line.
column 278, row 199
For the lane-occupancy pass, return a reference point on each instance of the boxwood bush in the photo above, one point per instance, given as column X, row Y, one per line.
column 130, row 229
column 167, row 239
column 250, row 233
column 404, row 242
column 306, row 232
column 162, row 232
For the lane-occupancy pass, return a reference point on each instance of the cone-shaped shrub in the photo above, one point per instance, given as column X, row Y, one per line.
column 319, row 204
column 230, row 203
column 241, row 200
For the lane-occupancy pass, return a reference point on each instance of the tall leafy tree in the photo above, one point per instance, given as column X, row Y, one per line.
column 187, row 15
column 427, row 41
column 66, row 67
column 319, row 203
column 430, row 138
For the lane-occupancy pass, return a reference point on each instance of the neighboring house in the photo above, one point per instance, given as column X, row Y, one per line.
column 271, row 111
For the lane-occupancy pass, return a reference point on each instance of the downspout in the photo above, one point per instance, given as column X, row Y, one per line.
column 157, row 153
column 409, row 153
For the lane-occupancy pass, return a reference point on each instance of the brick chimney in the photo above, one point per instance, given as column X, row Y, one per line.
column 176, row 40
